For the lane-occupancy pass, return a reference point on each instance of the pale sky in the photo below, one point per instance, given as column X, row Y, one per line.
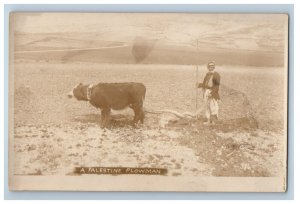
column 247, row 31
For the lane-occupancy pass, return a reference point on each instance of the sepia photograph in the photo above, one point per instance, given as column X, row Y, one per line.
column 192, row 102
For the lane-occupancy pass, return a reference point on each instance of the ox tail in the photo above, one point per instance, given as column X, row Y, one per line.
column 143, row 99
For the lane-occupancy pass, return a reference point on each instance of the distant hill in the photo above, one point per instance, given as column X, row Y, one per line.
column 69, row 48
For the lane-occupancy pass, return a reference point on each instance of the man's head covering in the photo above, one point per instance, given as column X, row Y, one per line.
column 211, row 64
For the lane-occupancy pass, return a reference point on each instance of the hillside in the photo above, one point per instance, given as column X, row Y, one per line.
column 87, row 47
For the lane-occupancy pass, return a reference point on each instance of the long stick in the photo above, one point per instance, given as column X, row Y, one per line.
column 197, row 78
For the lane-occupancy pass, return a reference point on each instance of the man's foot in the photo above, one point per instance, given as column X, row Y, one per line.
column 214, row 119
column 206, row 123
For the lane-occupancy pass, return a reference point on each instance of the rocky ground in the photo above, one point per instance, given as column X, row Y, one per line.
column 53, row 135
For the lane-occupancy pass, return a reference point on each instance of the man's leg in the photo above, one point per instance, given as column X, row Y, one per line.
column 214, row 107
column 207, row 100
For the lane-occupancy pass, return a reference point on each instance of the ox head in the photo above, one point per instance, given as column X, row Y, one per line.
column 78, row 92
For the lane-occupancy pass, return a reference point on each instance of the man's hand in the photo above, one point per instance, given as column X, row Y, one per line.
column 199, row 85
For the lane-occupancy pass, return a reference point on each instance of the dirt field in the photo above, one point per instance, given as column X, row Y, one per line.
column 54, row 134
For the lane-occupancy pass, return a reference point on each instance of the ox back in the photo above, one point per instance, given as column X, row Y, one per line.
column 117, row 96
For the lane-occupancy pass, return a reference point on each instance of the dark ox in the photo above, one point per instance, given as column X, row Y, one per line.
column 116, row 96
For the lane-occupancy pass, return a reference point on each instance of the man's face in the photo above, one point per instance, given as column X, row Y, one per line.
column 211, row 68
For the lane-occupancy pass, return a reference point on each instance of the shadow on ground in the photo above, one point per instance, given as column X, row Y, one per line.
column 117, row 120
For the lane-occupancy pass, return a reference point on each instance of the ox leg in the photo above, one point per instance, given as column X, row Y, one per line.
column 141, row 113
column 102, row 119
column 142, row 116
column 138, row 113
column 105, row 118
column 107, row 122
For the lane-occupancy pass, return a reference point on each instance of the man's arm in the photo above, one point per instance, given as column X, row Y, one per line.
column 216, row 85
column 201, row 85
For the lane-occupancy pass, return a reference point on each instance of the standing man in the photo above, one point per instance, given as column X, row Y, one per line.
column 210, row 86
